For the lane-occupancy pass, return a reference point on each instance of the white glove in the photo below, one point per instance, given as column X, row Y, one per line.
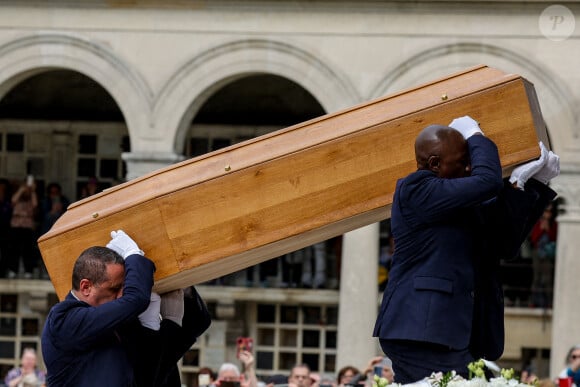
column 521, row 174
column 550, row 170
column 465, row 125
column 172, row 306
column 123, row 245
column 150, row 318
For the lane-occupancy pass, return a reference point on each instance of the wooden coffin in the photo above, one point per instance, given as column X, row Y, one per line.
column 233, row 208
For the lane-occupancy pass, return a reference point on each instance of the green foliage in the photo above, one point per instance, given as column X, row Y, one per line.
column 445, row 379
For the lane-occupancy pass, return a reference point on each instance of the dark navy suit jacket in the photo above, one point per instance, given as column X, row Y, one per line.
column 449, row 236
column 154, row 354
column 80, row 343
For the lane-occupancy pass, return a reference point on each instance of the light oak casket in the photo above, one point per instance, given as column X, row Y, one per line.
column 224, row 211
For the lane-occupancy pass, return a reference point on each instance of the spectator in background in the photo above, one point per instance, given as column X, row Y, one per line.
column 300, row 376
column 385, row 260
column 543, row 242
column 5, row 215
column 27, row 373
column 386, row 369
column 315, row 263
column 572, row 369
column 53, row 206
column 326, row 381
column 229, row 372
column 346, row 374
column 23, row 230
column 298, row 267
column 276, row 380
column 208, row 380
column 91, row 188
column 528, row 376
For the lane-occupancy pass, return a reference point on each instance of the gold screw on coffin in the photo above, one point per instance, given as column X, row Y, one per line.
column 95, row 215
column 228, row 168
column 444, row 97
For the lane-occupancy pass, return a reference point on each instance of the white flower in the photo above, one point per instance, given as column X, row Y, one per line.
column 477, row 382
column 459, row 382
column 502, row 382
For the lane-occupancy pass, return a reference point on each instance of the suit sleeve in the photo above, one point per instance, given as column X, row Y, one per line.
column 516, row 213
column 433, row 199
column 86, row 326
column 155, row 353
column 196, row 320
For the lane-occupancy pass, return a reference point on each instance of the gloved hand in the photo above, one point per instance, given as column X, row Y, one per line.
column 465, row 125
column 122, row 244
column 172, row 306
column 521, row 174
column 150, row 318
column 550, row 170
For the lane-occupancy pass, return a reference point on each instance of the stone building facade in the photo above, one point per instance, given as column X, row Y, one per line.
column 185, row 77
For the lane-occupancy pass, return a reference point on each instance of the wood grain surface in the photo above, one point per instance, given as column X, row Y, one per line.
column 224, row 211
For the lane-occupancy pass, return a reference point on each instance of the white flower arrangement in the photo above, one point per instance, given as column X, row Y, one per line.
column 451, row 379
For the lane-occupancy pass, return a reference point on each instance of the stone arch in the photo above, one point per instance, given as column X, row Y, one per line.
column 30, row 55
column 199, row 78
column 555, row 98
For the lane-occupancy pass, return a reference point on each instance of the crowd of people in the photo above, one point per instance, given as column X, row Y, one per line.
column 26, row 212
column 313, row 267
column 300, row 375
column 28, row 374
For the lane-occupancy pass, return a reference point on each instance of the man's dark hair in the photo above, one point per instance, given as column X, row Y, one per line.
column 300, row 365
column 92, row 265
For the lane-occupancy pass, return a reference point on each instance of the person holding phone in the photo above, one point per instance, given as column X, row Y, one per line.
column 54, row 204
column 23, row 230
column 229, row 374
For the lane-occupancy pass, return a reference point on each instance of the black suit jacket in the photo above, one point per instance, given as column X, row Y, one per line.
column 154, row 354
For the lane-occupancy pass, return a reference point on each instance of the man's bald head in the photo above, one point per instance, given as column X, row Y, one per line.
column 442, row 150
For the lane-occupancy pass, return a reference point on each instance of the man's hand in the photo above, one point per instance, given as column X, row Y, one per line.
column 172, row 307
column 466, row 125
column 247, row 359
column 521, row 174
column 123, row 245
column 150, row 318
column 550, row 170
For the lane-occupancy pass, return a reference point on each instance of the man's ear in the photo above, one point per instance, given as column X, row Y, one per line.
column 85, row 286
column 433, row 163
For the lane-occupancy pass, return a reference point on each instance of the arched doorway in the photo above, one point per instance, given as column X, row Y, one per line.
column 61, row 126
column 247, row 108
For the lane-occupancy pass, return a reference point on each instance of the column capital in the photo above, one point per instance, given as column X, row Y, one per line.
column 141, row 163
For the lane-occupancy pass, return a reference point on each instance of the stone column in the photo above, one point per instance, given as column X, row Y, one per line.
column 141, row 163
column 566, row 312
column 358, row 303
